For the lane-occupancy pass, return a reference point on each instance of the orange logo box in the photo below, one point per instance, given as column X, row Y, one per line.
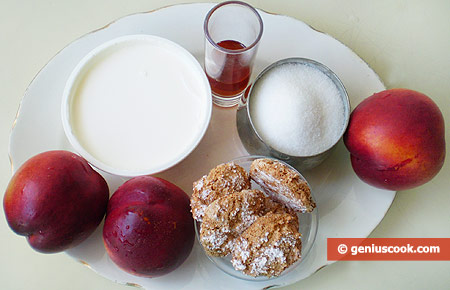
column 388, row 249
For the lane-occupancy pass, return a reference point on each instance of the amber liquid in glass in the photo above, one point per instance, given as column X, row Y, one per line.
column 234, row 76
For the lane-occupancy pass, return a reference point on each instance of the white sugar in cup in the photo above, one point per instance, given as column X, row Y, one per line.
column 297, row 111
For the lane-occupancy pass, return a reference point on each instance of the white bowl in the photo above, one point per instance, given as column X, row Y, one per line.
column 136, row 105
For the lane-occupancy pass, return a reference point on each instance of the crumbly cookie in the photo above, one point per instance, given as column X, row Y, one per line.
column 229, row 216
column 268, row 247
column 282, row 184
column 222, row 180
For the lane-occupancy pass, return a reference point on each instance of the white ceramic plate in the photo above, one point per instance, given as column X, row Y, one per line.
column 347, row 206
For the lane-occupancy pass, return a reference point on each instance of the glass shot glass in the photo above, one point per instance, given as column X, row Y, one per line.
column 232, row 30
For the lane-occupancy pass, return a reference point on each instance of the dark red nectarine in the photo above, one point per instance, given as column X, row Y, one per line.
column 56, row 200
column 149, row 230
column 396, row 139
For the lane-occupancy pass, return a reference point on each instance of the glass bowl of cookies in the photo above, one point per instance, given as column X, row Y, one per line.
column 256, row 217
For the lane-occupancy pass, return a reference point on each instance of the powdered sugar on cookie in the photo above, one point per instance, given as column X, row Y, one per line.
column 282, row 184
column 269, row 246
column 222, row 180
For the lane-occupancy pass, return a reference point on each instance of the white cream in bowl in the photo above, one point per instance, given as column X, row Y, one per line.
column 136, row 105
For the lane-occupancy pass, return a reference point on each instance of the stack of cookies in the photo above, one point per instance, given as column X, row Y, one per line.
column 259, row 229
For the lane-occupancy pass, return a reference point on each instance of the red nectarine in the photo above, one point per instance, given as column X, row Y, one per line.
column 56, row 200
column 149, row 230
column 396, row 139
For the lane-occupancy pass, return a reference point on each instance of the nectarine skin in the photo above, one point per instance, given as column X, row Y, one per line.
column 149, row 230
column 56, row 200
column 396, row 139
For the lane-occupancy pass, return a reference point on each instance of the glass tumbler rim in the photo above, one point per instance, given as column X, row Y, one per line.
column 234, row 51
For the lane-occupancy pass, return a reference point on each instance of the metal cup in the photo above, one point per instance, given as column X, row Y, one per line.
column 255, row 145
